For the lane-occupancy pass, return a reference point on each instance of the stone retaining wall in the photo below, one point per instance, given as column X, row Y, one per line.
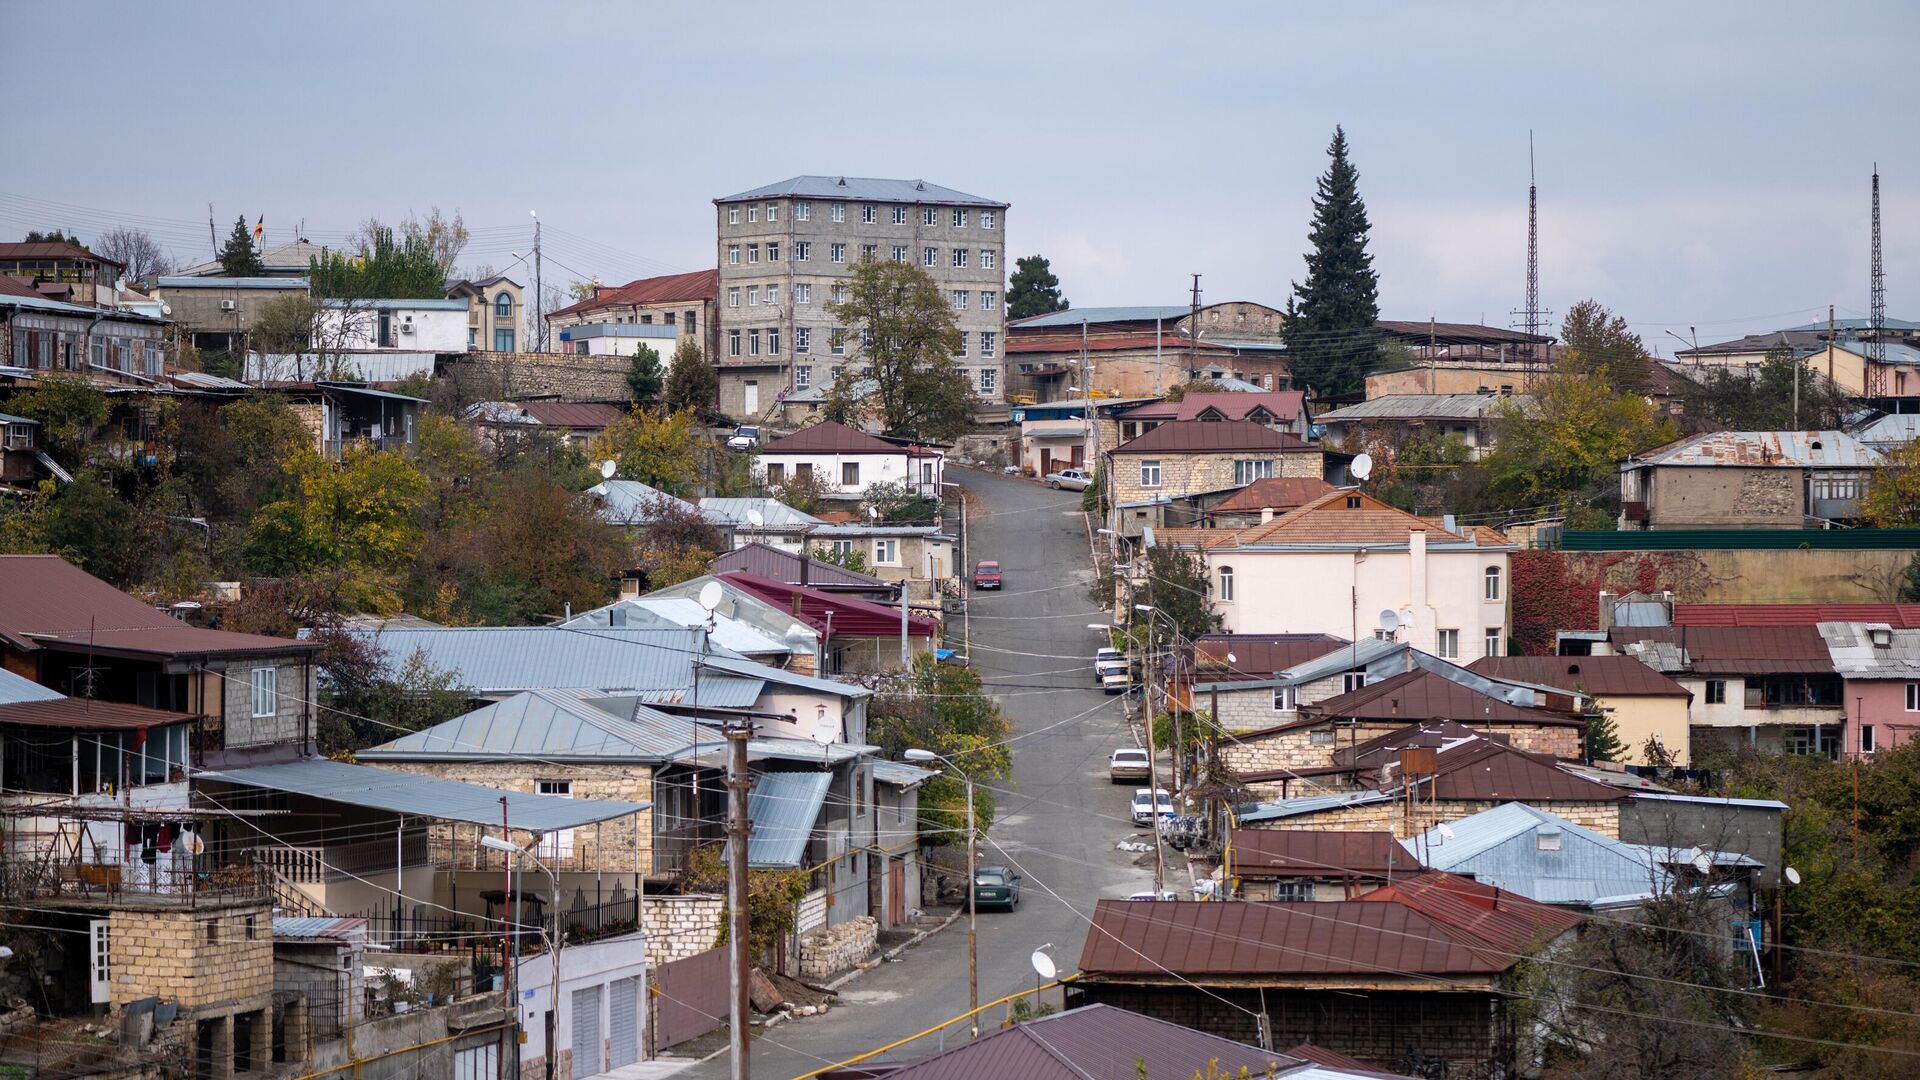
column 571, row 377
column 680, row 926
column 831, row 950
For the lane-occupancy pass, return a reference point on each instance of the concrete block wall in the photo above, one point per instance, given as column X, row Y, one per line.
column 171, row 954
column 613, row 852
column 296, row 686
column 833, row 949
column 680, row 926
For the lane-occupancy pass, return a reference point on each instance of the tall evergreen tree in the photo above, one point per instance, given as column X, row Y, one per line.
column 644, row 378
column 691, row 381
column 1033, row 290
column 238, row 258
column 1331, row 340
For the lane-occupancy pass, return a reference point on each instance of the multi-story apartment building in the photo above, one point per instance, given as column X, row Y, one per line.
column 786, row 251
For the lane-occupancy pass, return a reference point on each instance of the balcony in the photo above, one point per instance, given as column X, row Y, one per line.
column 316, row 864
column 32, row 878
column 335, row 449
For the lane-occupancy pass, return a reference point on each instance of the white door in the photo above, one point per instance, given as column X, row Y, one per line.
column 100, row 960
column 623, row 1022
column 559, row 843
column 750, row 398
column 586, row 1032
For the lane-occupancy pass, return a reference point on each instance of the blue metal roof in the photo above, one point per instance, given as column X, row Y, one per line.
column 659, row 612
column 1311, row 804
column 1715, row 800
column 193, row 282
column 1076, row 316
column 783, row 807
column 551, row 725
column 17, row 688
column 900, row 774
column 630, row 502
column 732, row 513
column 424, row 796
column 342, row 928
column 863, row 188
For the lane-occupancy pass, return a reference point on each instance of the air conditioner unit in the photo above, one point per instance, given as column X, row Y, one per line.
column 407, row 327
column 227, row 305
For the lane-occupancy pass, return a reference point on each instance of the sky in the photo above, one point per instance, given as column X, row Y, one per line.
column 1700, row 165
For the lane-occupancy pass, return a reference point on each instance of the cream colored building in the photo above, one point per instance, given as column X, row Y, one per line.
column 493, row 313
column 1644, row 705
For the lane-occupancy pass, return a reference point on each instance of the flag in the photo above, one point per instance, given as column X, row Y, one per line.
column 260, row 229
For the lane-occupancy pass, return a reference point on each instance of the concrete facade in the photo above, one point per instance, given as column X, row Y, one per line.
column 218, row 312
column 294, row 686
column 587, row 1003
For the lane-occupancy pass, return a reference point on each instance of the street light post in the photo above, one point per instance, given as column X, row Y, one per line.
column 973, row 937
column 1153, row 761
column 555, row 941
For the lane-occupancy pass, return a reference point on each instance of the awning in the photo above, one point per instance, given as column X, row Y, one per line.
column 783, row 807
column 424, row 796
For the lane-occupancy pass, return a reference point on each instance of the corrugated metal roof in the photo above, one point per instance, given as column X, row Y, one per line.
column 775, row 515
column 783, row 807
column 760, row 560
column 423, row 796
column 1278, row 493
column 87, row 714
column 1330, row 519
column 630, row 502
column 1097, row 315
column 862, row 187
column 320, row 926
column 694, row 286
column 1274, row 853
column 16, row 688
column 836, row 613
column 1449, row 333
column 1615, row 675
column 1223, row 405
column 1494, row 916
column 551, row 725
column 1857, row 656
column 399, row 304
column 1423, row 694
column 202, row 380
column 666, row 612
column 1899, row 616
column 1423, row 407
column 1897, row 353
column 1213, row 437
column 900, row 774
column 1262, row 655
column 1890, row 431
column 198, row 281
column 1103, row 1042
column 61, row 307
column 1715, row 800
column 1754, row 449
column 1502, row 847
column 45, row 599
column 830, row 437
column 1738, row 650
column 52, row 249
column 1312, row 804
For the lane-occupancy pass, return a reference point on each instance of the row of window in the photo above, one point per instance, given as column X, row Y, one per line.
column 957, row 217
column 960, row 258
column 765, row 341
column 989, row 378
column 755, row 295
column 53, row 350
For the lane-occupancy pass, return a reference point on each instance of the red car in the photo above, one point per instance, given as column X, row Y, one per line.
column 986, row 575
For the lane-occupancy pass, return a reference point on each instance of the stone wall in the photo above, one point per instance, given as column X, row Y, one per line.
column 200, row 957
column 456, row 846
column 830, row 950
column 1190, row 474
column 1602, row 816
column 571, row 377
column 1313, row 747
column 295, row 686
column 680, row 926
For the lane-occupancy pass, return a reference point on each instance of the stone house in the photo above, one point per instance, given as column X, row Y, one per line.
column 683, row 301
column 1184, row 459
column 1291, row 865
column 1281, row 410
column 1144, row 351
column 1395, row 422
column 922, row 556
column 1747, row 479
column 494, row 312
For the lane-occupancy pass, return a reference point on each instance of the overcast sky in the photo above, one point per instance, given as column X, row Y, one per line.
column 1699, row 164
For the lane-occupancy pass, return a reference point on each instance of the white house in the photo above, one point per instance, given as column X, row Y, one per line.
column 429, row 326
column 1336, row 564
column 600, row 1024
column 619, row 339
column 850, row 461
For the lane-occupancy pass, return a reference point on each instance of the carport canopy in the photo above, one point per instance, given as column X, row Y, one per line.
column 425, row 796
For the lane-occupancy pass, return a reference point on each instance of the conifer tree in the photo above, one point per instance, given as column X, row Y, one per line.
column 1033, row 289
column 1331, row 338
column 238, row 258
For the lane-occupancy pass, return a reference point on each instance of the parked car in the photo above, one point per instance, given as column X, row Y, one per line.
column 1071, row 479
column 1108, row 661
column 1148, row 802
column 995, row 885
column 986, row 575
column 744, row 437
column 1149, row 894
column 1129, row 763
column 1117, row 682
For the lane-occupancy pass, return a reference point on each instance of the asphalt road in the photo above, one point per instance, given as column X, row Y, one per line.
column 1058, row 819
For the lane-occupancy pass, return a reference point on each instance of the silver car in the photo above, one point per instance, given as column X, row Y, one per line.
column 1071, row 479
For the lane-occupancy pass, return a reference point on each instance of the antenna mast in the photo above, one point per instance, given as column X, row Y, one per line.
column 1533, row 318
column 1876, row 306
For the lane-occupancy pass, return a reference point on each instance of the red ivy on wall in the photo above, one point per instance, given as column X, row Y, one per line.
column 1556, row 590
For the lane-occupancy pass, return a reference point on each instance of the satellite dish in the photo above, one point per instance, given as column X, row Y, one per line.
column 755, row 518
column 711, row 594
column 1043, row 964
column 873, row 513
column 1362, row 467
column 1446, row 831
column 608, row 468
column 1389, row 621
column 1232, row 659
column 1793, row 876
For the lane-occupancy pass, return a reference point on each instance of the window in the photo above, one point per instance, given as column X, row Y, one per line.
column 1246, row 472
column 753, row 253
column 1491, row 645
column 959, row 257
column 988, row 340
column 1286, row 698
column 1493, row 583
column 733, row 254
column 959, row 219
column 1150, row 474
column 1226, row 584
column 988, row 300
column 988, row 378
column 503, row 305
column 1546, row 839
column 836, row 213
column 1448, row 645
column 1353, row 680
column 773, row 251
column 1913, row 697
column 837, row 253
column 963, row 343
column 929, row 216
column 987, row 259
column 753, row 295
column 1717, row 693
column 753, row 343
column 1866, row 738
column 802, row 251
column 776, row 473
column 803, row 339
column 837, row 343
column 733, row 296
column 986, row 219
column 802, row 293
column 773, row 212
column 773, row 341
column 753, row 213
column 211, row 927
column 733, row 343
column 868, row 213
column 802, row 377
column 733, row 215
column 886, row 552
column 802, row 211
column 839, row 293
column 959, row 299
column 773, row 294
column 503, row 339
column 1353, row 502
column 1812, row 741
column 850, row 474
column 900, row 253
column 869, row 252
column 1756, row 694
column 266, row 691
column 930, row 257
column 250, row 928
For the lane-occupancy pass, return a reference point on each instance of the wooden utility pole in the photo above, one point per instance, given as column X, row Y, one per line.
column 738, row 829
column 1193, row 332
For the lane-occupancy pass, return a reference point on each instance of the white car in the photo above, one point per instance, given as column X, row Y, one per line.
column 1117, row 682
column 745, row 437
column 1149, row 894
column 1108, row 661
column 1071, row 479
column 1148, row 801
column 1129, row 763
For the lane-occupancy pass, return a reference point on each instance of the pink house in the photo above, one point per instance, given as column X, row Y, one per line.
column 1881, row 668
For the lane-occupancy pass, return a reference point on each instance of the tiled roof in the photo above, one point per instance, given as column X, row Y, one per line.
column 1425, row 695
column 1231, row 405
column 1279, row 493
column 46, row 600
column 1261, row 655
column 690, row 287
column 1214, row 437
column 1273, row 853
column 1738, row 650
column 862, row 187
column 1195, row 538
column 1611, row 675
column 1899, row 616
column 1329, row 520
column 830, row 437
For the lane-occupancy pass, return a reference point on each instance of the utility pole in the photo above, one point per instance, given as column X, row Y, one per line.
column 1193, row 331
column 213, row 238
column 539, row 299
column 906, row 662
column 1830, row 344
column 738, row 828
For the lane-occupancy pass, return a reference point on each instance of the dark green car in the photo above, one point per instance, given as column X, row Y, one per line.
column 996, row 886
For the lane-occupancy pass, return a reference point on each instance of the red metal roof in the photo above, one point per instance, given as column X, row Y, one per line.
column 15, row 286
column 1426, row 695
column 1898, row 616
column 1333, row 1059
column 1740, row 650
column 46, row 601
column 832, row 613
column 1278, row 493
column 1070, row 344
column 1222, row 405
column 669, row 289
column 1277, row 853
column 86, row 714
column 831, row 437
column 1258, row 655
column 58, row 249
column 1214, row 436
column 1504, row 920
column 1622, row 676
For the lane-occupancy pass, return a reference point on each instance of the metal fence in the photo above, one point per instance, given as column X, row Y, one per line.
column 689, row 998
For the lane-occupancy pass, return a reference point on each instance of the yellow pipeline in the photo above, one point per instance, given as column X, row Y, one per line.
column 968, row 1015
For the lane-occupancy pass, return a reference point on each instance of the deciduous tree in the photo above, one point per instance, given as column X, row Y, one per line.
column 944, row 708
column 1893, row 499
column 1033, row 289
column 137, row 251
column 1331, row 340
column 356, row 521
column 906, row 342
column 50, row 236
column 1598, row 342
column 653, row 446
column 1568, row 441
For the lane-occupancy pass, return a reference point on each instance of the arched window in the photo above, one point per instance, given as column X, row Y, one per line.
column 1493, row 583
column 1226, row 583
column 503, row 305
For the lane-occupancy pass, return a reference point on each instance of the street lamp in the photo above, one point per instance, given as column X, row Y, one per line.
column 514, row 853
column 973, row 937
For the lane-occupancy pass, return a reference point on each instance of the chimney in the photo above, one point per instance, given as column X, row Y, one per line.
column 1266, row 514
column 1606, row 610
column 806, row 563
column 629, row 587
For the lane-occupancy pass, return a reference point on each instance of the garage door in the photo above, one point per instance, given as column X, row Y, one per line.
column 586, row 1032
column 623, row 1022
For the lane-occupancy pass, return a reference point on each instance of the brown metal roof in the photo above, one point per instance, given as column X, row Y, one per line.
column 1095, row 1041
column 831, row 437
column 1258, row 655
column 1277, row 853
column 761, row 560
column 1622, row 676
column 1898, row 616
column 1278, row 493
column 694, row 286
column 58, row 249
column 1222, row 405
column 1504, row 920
column 1448, row 333
column 1333, row 1059
column 47, row 602
column 86, row 714
column 1426, row 695
column 1213, row 437
column 1487, row 770
column 1740, row 650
